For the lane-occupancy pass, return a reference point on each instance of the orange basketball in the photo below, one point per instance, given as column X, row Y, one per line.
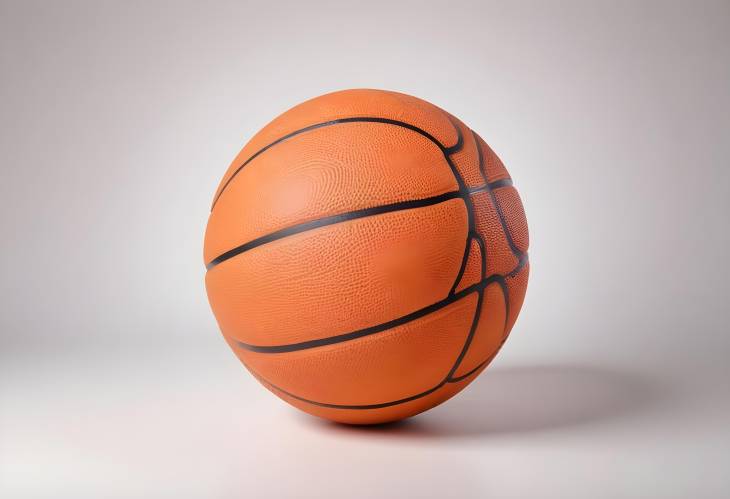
column 366, row 256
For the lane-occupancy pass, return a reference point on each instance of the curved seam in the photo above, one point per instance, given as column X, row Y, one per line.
column 500, row 214
column 497, row 184
column 464, row 261
column 464, row 191
column 360, row 333
column 331, row 220
column 503, row 286
column 471, row 234
column 477, row 311
column 474, row 370
column 354, row 119
column 345, row 406
column 380, row 405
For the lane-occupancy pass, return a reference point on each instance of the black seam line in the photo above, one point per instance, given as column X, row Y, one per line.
column 344, row 406
column 448, row 151
column 483, row 249
column 472, row 332
column 478, row 311
column 523, row 260
column 381, row 405
column 469, row 337
column 505, row 335
column 472, row 371
column 497, row 184
column 355, row 407
column 333, row 219
column 500, row 214
column 399, row 321
column 357, row 119
column 503, row 286
column 464, row 190
column 464, row 260
column 522, row 257
column 330, row 340
column 473, row 234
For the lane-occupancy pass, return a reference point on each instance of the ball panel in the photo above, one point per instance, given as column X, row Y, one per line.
column 473, row 270
column 347, row 104
column 356, row 274
column 514, row 214
column 324, row 172
column 378, row 415
column 340, row 278
column 466, row 159
column 493, row 166
column 387, row 366
column 490, row 330
column 500, row 258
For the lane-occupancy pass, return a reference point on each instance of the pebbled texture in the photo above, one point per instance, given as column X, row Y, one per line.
column 491, row 331
column 467, row 158
column 391, row 365
column 381, row 316
column 473, row 270
column 348, row 104
column 500, row 257
column 510, row 202
column 326, row 171
column 339, row 278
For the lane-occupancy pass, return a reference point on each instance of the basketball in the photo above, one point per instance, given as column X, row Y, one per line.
column 366, row 256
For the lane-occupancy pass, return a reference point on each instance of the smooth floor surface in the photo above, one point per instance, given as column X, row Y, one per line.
column 193, row 423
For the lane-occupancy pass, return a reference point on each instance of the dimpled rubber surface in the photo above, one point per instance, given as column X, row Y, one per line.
column 367, row 256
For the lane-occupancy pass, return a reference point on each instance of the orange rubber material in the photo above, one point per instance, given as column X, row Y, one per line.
column 367, row 256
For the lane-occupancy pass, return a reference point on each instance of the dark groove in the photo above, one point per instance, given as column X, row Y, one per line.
column 479, row 287
column 360, row 119
column 500, row 214
column 357, row 407
column 469, row 337
column 522, row 257
column 447, row 379
column 448, row 151
column 343, row 406
column 330, row 340
column 472, row 371
column 464, row 260
column 464, row 190
column 503, row 286
column 472, row 235
column 503, row 222
column 334, row 219
column 505, row 182
column 483, row 251
column 478, row 309
column 523, row 260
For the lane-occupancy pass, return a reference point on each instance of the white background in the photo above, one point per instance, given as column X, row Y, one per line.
column 117, row 121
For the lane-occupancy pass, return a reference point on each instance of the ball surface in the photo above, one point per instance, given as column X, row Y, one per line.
column 366, row 256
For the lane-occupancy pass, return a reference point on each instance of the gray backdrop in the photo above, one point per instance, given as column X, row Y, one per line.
column 117, row 121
